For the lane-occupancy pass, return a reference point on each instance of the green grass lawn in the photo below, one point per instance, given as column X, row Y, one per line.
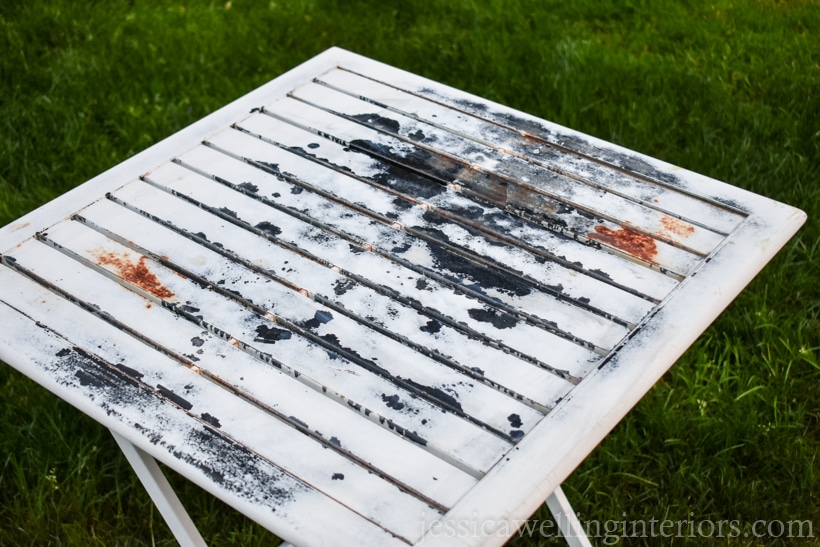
column 730, row 89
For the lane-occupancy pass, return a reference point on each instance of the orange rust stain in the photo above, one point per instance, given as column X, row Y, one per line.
column 633, row 243
column 677, row 226
column 138, row 273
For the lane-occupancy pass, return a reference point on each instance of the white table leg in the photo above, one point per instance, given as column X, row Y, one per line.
column 566, row 519
column 161, row 494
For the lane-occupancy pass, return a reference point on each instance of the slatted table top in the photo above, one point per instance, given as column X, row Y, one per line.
column 361, row 307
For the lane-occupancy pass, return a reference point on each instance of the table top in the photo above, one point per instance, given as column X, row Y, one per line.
column 363, row 307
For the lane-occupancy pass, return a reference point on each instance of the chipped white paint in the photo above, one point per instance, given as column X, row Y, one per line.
column 369, row 303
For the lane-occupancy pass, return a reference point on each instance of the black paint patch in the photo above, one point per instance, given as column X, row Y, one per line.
column 268, row 228
column 455, row 267
column 403, row 248
column 296, row 190
column 211, row 420
column 226, row 211
column 249, row 187
column 516, row 434
column 439, row 395
column 171, row 396
column 392, row 401
column 515, row 420
column 379, row 122
column 432, row 326
column 341, row 286
column 421, row 283
column 336, row 442
column 319, row 318
column 87, row 379
column 313, row 145
column 298, row 422
column 197, row 341
column 271, row 335
column 402, row 204
column 338, row 477
column 63, row 352
column 128, row 371
column 202, row 236
column 412, row 435
column 416, row 135
column 498, row 319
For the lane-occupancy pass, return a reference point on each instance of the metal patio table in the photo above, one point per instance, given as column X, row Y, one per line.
column 362, row 307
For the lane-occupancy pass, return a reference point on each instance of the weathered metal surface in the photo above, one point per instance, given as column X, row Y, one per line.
column 394, row 302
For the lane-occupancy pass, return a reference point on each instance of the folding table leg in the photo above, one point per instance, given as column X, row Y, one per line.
column 162, row 494
column 568, row 523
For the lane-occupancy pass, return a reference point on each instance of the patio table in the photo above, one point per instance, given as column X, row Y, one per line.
column 362, row 307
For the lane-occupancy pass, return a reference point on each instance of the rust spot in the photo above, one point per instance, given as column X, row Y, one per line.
column 136, row 273
column 633, row 243
column 677, row 226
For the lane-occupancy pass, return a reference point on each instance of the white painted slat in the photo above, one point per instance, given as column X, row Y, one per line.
column 586, row 259
column 332, row 422
column 363, row 232
column 299, row 455
column 669, row 200
column 324, row 282
column 291, row 308
column 582, row 224
column 520, row 295
column 456, row 437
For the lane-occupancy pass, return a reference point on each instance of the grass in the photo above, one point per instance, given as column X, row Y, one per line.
column 730, row 89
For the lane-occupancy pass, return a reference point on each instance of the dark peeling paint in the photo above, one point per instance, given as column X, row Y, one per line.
column 270, row 335
column 298, row 422
column 438, row 395
column 270, row 229
column 338, row 477
column 319, row 318
column 170, row 395
column 392, row 401
column 226, row 211
column 249, row 187
column 87, row 379
column 432, row 326
column 516, row 434
column 128, row 371
column 379, row 122
column 515, row 420
column 197, row 341
column 497, row 318
column 211, row 420
column 341, row 286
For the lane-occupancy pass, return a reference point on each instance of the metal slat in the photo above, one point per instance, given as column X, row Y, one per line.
column 671, row 201
column 326, row 282
column 244, row 424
